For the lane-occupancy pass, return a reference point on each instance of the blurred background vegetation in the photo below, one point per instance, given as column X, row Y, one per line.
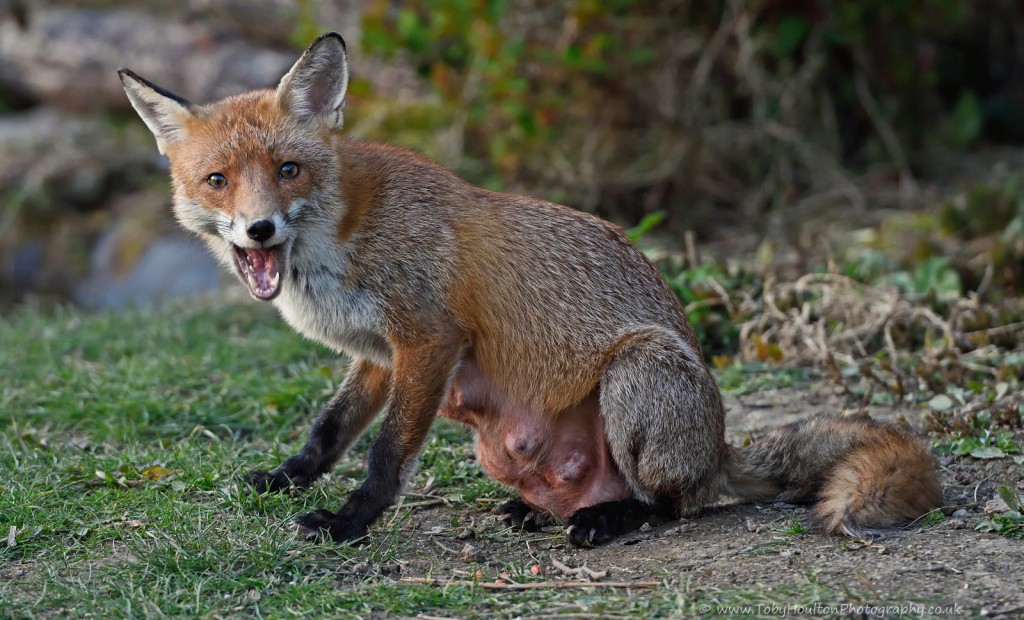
column 743, row 121
column 879, row 139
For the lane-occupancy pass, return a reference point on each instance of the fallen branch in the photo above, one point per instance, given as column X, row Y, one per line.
column 542, row 585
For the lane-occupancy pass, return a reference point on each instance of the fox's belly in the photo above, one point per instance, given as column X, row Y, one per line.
column 558, row 464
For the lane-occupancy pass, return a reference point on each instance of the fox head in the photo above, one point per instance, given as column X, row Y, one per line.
column 251, row 171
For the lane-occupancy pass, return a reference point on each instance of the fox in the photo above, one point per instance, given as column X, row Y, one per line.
column 541, row 328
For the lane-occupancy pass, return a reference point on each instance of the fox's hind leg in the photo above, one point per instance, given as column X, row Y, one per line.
column 665, row 425
column 360, row 396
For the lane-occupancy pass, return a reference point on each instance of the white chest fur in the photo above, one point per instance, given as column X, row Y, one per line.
column 317, row 303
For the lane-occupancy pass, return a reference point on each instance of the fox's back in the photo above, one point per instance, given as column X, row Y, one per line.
column 554, row 291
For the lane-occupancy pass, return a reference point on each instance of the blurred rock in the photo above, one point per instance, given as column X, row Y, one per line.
column 50, row 161
column 75, row 221
column 68, row 57
column 171, row 266
column 66, row 52
column 280, row 22
column 143, row 258
column 57, row 174
column 26, row 263
column 270, row 22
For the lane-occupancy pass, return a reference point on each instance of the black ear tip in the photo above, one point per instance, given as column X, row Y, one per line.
column 128, row 76
column 125, row 74
column 330, row 35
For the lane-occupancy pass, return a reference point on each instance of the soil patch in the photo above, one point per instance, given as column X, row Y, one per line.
column 766, row 546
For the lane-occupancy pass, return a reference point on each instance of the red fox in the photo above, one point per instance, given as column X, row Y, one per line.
column 540, row 327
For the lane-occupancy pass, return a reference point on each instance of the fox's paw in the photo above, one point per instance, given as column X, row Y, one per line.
column 324, row 525
column 272, row 481
column 599, row 524
column 591, row 527
column 518, row 514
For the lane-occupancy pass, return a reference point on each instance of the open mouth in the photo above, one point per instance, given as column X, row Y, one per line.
column 260, row 269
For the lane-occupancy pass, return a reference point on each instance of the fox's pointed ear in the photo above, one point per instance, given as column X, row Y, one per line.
column 162, row 111
column 315, row 87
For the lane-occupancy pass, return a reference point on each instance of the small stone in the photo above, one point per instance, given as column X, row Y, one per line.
column 960, row 513
column 679, row 529
column 996, row 506
column 470, row 553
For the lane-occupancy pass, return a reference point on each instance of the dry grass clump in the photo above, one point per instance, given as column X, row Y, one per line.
column 908, row 343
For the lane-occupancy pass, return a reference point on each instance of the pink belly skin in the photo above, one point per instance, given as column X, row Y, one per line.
column 559, row 463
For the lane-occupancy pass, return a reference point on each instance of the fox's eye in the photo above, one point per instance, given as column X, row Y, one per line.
column 216, row 180
column 289, row 170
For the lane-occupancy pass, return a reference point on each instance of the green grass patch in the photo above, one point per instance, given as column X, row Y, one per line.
column 796, row 527
column 122, row 439
column 745, row 378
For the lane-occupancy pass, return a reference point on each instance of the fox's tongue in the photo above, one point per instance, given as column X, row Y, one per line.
column 262, row 271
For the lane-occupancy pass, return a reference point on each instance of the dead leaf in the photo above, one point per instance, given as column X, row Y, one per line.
column 157, row 472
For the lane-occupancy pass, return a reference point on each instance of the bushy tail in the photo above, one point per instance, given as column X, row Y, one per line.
column 860, row 475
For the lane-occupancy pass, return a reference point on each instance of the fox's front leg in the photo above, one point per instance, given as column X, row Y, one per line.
column 358, row 399
column 419, row 379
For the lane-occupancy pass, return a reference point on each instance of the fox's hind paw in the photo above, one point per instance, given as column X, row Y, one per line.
column 599, row 524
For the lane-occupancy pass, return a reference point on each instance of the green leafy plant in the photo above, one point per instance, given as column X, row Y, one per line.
column 647, row 223
column 704, row 291
column 932, row 276
column 1010, row 523
column 974, row 432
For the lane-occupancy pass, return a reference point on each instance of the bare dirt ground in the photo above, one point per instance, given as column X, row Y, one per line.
column 754, row 547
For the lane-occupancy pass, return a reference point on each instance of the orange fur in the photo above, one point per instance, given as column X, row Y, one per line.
column 885, row 482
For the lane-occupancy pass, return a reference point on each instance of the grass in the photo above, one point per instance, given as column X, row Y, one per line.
column 746, row 378
column 122, row 438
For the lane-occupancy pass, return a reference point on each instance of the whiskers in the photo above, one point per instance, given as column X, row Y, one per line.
column 223, row 228
column 194, row 217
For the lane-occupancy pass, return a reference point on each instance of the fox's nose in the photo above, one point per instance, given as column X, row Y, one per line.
column 260, row 230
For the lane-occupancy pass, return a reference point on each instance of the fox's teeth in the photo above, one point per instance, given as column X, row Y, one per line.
column 275, row 280
column 252, row 281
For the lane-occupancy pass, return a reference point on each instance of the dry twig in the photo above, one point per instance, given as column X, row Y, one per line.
column 591, row 574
